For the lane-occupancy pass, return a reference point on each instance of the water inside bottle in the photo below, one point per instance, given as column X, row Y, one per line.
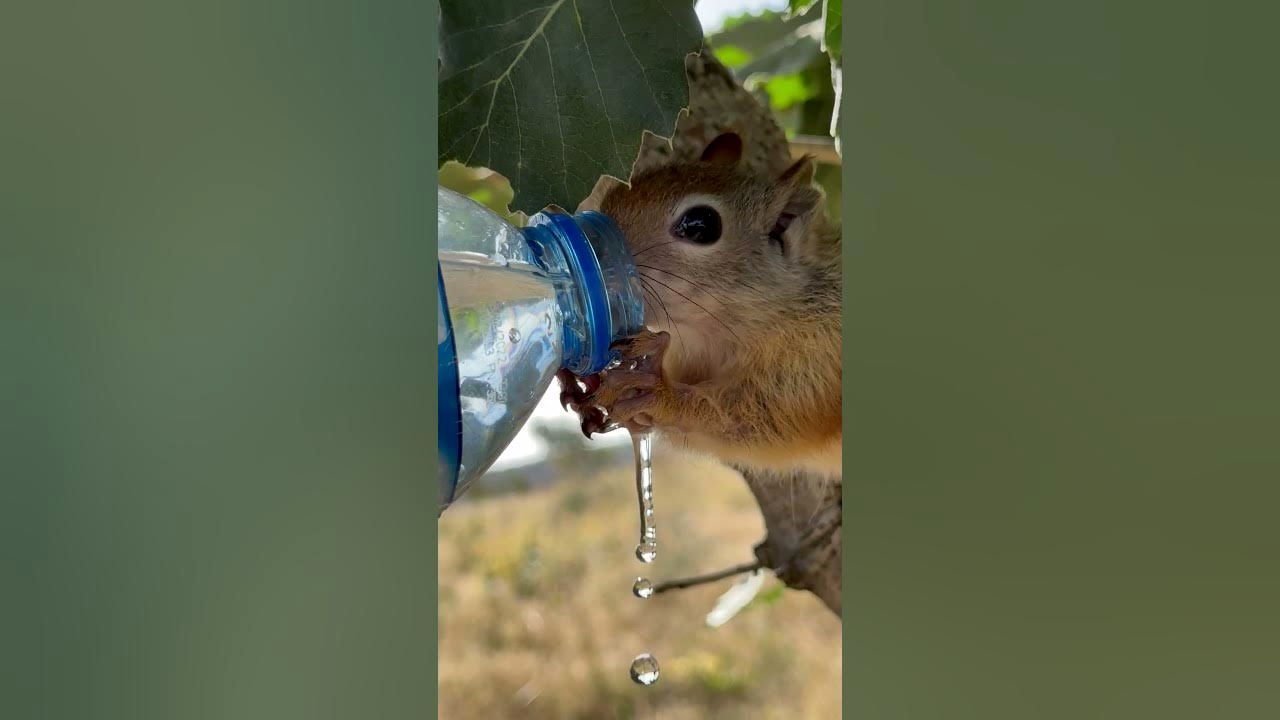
column 504, row 316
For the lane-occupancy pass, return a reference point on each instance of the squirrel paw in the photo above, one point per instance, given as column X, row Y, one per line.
column 626, row 395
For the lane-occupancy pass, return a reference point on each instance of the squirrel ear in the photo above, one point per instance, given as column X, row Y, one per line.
column 799, row 173
column 796, row 183
column 725, row 149
column 797, row 201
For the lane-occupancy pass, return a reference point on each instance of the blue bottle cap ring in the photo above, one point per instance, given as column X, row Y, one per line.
column 448, row 409
column 586, row 267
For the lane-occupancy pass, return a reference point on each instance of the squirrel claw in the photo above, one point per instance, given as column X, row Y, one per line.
column 628, row 393
column 569, row 390
column 623, row 397
column 593, row 421
column 574, row 390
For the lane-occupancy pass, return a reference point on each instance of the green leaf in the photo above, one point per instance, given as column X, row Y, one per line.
column 831, row 13
column 792, row 53
column 770, row 596
column 732, row 56
column 735, row 21
column 484, row 186
column 757, row 33
column 800, row 6
column 787, row 90
column 556, row 95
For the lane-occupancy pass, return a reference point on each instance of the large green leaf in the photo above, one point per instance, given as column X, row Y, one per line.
column 555, row 95
column 799, row 6
column 831, row 13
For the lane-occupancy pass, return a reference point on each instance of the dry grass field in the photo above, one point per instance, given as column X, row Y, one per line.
column 537, row 619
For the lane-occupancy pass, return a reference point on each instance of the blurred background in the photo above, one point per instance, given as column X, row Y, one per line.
column 537, row 618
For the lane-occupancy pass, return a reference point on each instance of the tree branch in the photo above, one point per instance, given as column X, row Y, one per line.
column 823, row 149
column 802, row 545
column 709, row 577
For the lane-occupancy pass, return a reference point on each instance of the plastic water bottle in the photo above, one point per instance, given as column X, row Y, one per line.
column 516, row 306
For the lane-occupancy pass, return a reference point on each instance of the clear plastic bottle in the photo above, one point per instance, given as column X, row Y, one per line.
column 516, row 306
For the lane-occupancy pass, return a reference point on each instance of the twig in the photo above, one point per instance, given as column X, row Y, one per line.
column 823, row 149
column 710, row 577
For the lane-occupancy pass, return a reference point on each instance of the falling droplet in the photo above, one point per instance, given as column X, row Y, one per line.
column 647, row 552
column 643, row 589
column 514, row 335
column 644, row 669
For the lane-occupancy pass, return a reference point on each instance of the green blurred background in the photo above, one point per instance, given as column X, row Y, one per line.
column 1061, row 361
column 215, row 387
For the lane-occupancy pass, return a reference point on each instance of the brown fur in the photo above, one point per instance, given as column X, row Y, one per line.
column 752, row 372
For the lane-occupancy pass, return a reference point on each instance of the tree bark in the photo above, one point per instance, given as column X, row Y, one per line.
column 802, row 545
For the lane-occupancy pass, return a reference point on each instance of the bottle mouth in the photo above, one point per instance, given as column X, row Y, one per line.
column 609, row 297
column 622, row 279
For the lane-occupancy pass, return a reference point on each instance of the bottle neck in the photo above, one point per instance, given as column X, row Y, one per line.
column 601, row 300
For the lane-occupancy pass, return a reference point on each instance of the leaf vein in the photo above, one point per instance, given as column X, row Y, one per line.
column 480, row 62
column 519, row 139
column 648, row 86
column 604, row 104
column 492, row 26
column 564, row 164
column 493, row 97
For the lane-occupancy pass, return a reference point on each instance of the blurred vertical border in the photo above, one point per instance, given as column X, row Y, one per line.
column 216, row 292
column 1060, row 361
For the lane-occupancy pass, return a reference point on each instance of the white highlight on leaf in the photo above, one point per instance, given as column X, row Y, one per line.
column 735, row 599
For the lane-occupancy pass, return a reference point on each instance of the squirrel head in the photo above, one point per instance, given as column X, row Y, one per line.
column 723, row 252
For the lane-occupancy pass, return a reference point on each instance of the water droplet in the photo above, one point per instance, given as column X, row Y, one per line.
column 514, row 335
column 647, row 552
column 644, row 669
column 633, row 365
column 642, row 443
column 643, row 589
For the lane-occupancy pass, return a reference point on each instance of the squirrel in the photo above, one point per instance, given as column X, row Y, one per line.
column 740, row 269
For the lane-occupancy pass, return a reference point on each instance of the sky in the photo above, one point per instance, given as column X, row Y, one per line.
column 526, row 447
column 713, row 12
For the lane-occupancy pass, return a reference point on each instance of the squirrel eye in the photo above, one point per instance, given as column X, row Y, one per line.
column 699, row 224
